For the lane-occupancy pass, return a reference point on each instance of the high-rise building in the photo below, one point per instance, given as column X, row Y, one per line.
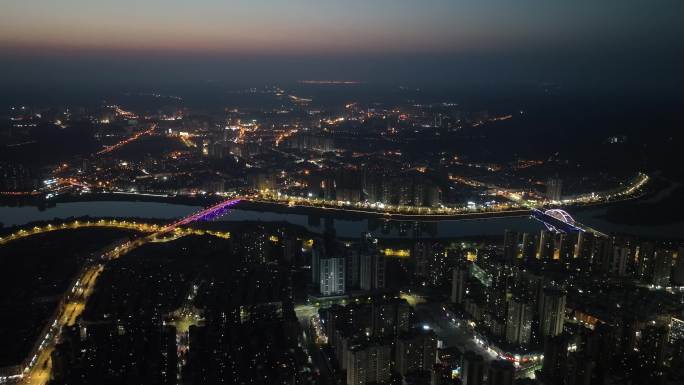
column 217, row 150
column 372, row 269
column 380, row 362
column 546, row 245
column 291, row 250
column 416, row 351
column 357, row 365
column 678, row 276
column 552, row 315
column 519, row 321
column 441, row 374
column 432, row 195
column 645, row 260
column 353, row 270
column 472, row 369
column 585, row 246
column 390, row 317
column 528, row 246
column 264, row 181
column 662, row 267
column 500, row 372
column 554, row 368
column 369, row 363
column 253, row 246
column 459, row 282
column 328, row 266
column 332, row 280
column 602, row 254
column 510, row 247
column 317, row 252
column 602, row 345
column 579, row 369
column 653, row 345
column 554, row 187
column 618, row 264
column 565, row 247
column 422, row 252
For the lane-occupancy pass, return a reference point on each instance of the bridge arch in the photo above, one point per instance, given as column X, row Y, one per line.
column 561, row 215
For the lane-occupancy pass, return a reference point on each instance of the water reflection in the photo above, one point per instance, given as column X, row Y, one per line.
column 343, row 227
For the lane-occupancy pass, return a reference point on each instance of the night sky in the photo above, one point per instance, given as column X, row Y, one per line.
column 378, row 40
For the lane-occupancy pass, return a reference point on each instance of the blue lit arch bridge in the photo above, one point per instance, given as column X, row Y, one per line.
column 560, row 221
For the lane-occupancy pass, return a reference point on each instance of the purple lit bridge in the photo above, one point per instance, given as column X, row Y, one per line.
column 209, row 213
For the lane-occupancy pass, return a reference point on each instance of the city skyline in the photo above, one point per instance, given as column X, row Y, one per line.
column 341, row 192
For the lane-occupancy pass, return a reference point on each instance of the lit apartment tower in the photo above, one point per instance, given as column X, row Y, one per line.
column 554, row 187
column 678, row 276
column 432, row 195
column 380, row 363
column 601, row 254
column 403, row 317
column 253, row 246
column 403, row 187
column 459, row 281
column 422, row 253
column 500, row 372
column 546, row 243
column 528, row 246
column 332, row 281
column 653, row 345
column 369, row 363
column 291, row 250
column 390, row 317
column 386, row 190
column 372, row 270
column 472, row 369
column 618, row 263
column 519, row 321
column 662, row 267
column 645, row 260
column 357, row 366
column 418, row 192
column 510, row 246
column 317, row 252
column 552, row 315
column 555, row 359
column 353, row 270
column 328, row 266
column 565, row 247
column 416, row 351
column 585, row 246
column 602, row 346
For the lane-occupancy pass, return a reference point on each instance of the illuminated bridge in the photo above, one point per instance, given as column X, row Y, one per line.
column 557, row 220
column 209, row 213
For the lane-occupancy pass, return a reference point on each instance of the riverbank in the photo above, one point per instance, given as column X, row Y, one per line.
column 260, row 206
column 347, row 222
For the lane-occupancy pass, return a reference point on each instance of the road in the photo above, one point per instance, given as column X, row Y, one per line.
column 452, row 334
column 317, row 356
column 455, row 333
column 422, row 213
column 67, row 314
column 106, row 223
column 37, row 370
column 127, row 141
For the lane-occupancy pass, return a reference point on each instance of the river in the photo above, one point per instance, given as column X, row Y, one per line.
column 344, row 227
